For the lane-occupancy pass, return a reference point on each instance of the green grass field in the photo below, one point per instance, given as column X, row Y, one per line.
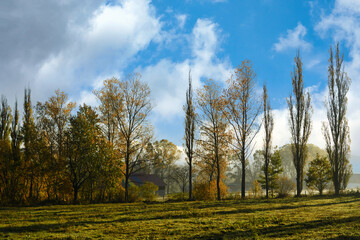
column 290, row 218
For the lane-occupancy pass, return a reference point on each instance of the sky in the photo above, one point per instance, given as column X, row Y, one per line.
column 75, row 45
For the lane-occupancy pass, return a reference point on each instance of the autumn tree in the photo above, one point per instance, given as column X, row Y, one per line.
column 163, row 155
column 214, row 138
column 336, row 131
column 268, row 121
column 5, row 151
column 83, row 144
column 190, row 121
column 242, row 109
column 54, row 116
column 300, row 122
column 319, row 174
column 132, row 108
column 107, row 95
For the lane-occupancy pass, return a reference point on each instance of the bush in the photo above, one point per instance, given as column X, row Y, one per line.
column 255, row 191
column 208, row 191
column 285, row 186
column 148, row 191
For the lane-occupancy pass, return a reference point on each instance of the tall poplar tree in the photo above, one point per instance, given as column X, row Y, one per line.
column 300, row 122
column 190, row 119
column 268, row 121
column 337, row 132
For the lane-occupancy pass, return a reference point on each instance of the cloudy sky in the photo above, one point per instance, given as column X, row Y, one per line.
column 75, row 45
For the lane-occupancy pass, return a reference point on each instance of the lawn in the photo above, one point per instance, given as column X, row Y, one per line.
column 290, row 218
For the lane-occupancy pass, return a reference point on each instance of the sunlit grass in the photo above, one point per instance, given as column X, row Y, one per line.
column 291, row 218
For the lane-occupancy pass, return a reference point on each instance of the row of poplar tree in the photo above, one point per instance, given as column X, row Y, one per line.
column 227, row 120
column 55, row 156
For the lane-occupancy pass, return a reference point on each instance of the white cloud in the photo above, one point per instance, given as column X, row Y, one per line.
column 181, row 18
column 104, row 42
column 169, row 80
column 293, row 39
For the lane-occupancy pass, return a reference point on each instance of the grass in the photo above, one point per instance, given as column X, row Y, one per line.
column 291, row 218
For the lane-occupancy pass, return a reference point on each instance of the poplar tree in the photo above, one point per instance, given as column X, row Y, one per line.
column 336, row 131
column 190, row 119
column 300, row 122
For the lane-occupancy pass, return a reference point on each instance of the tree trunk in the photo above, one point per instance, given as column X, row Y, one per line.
column 267, row 179
column 218, row 180
column 243, row 163
column 190, row 179
column 75, row 195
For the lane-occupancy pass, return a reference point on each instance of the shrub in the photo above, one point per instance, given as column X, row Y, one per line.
column 255, row 191
column 285, row 186
column 148, row 191
column 208, row 191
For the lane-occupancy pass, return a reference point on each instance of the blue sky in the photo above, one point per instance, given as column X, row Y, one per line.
column 75, row 45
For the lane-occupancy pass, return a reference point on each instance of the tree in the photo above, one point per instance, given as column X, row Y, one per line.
column 83, row 144
column 6, row 163
column 29, row 135
column 54, row 116
column 180, row 174
column 163, row 155
column 273, row 172
column 190, row 119
column 268, row 121
column 214, row 138
column 319, row 174
column 300, row 122
column 107, row 95
column 132, row 108
column 242, row 109
column 337, row 132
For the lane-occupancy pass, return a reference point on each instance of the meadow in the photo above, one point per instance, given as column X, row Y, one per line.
column 324, row 217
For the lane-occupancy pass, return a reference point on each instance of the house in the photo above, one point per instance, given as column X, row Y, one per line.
column 140, row 178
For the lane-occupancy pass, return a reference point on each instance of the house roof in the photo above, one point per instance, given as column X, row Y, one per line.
column 140, row 179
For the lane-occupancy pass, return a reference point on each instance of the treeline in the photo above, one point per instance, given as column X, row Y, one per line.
column 50, row 154
column 226, row 122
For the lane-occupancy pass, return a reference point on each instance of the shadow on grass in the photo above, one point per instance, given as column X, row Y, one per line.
column 283, row 230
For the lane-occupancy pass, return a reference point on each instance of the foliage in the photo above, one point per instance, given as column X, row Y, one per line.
column 208, row 191
column 148, row 191
column 255, row 191
column 285, row 186
column 274, row 170
column 214, row 136
column 319, row 174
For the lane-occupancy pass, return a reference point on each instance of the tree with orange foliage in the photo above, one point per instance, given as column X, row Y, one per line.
column 54, row 116
column 214, row 138
column 241, row 108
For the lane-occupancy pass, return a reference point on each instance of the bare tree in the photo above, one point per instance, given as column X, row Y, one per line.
column 336, row 132
column 242, row 108
column 132, row 108
column 268, row 126
column 190, row 119
column 300, row 122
